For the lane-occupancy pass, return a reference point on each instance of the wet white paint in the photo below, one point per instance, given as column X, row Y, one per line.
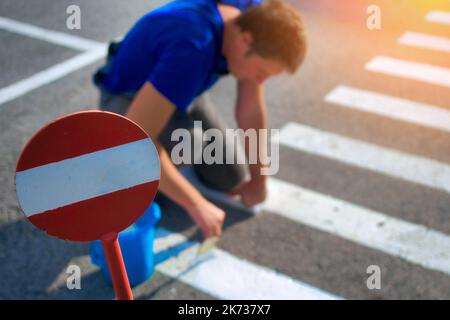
column 222, row 275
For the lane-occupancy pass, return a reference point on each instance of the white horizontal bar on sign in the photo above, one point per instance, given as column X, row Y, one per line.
column 412, row 242
column 392, row 107
column 51, row 36
column 412, row 168
column 87, row 176
column 49, row 75
column 438, row 17
column 410, row 70
column 226, row 276
column 422, row 40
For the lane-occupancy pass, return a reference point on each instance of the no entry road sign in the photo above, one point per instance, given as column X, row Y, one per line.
column 87, row 176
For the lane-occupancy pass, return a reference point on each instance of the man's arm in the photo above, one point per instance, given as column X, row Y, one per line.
column 251, row 113
column 151, row 110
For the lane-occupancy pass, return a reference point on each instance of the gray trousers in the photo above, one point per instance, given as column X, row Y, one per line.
column 223, row 177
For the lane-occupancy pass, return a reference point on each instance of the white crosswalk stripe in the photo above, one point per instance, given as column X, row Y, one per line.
column 92, row 52
column 58, row 38
column 426, row 41
column 412, row 242
column 225, row 276
column 410, row 70
column 390, row 162
column 438, row 17
column 391, row 107
column 49, row 75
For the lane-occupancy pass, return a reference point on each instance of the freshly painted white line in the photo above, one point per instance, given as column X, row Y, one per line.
column 405, row 166
column 392, row 107
column 54, row 37
column 412, row 242
column 438, row 17
column 410, row 70
column 87, row 176
column 225, row 276
column 426, row 41
column 49, row 75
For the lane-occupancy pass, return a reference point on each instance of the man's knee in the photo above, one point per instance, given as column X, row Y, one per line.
column 223, row 177
column 114, row 103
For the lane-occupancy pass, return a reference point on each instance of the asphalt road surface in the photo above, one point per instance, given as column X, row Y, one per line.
column 364, row 176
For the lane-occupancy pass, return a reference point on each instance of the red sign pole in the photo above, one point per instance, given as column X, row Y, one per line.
column 116, row 266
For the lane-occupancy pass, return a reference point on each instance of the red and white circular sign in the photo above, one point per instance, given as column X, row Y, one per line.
column 87, row 174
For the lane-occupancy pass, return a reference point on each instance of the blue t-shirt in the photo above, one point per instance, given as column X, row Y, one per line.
column 176, row 47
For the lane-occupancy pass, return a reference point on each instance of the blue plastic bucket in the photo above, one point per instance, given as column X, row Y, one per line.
column 136, row 244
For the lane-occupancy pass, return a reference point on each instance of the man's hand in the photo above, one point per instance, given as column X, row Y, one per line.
column 252, row 192
column 208, row 217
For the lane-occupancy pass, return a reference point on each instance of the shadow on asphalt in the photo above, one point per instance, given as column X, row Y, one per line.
column 33, row 265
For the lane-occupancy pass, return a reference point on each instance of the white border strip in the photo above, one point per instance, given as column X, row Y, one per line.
column 391, row 107
column 225, row 276
column 438, row 17
column 54, row 37
column 49, row 75
column 408, row 167
column 411, row 242
column 410, row 70
column 422, row 40
column 87, row 176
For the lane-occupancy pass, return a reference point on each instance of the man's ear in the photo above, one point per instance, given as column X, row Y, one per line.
column 247, row 38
